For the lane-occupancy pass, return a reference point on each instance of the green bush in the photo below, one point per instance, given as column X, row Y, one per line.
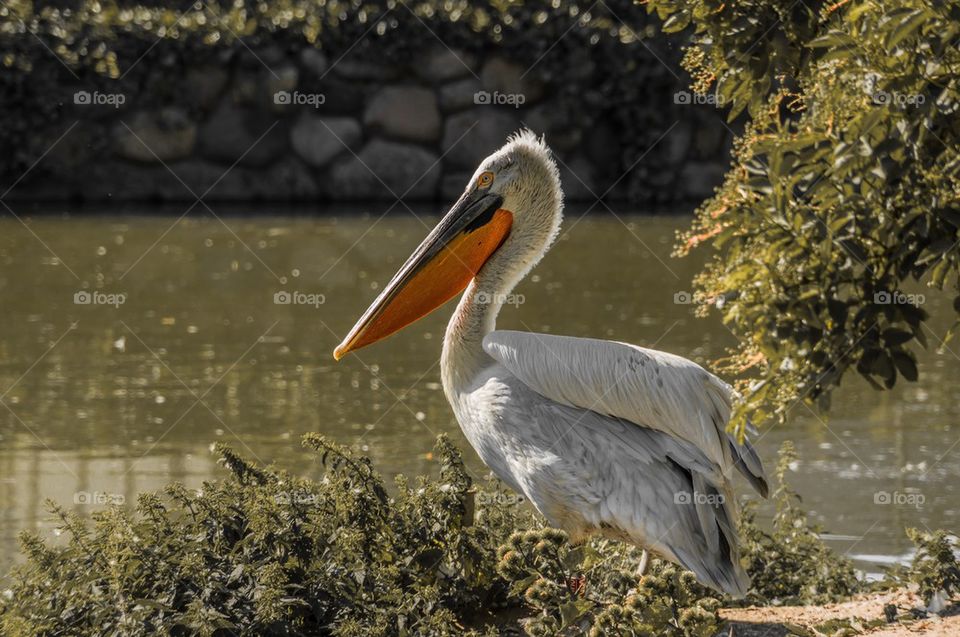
column 267, row 553
column 594, row 587
column 935, row 568
column 263, row 552
column 845, row 185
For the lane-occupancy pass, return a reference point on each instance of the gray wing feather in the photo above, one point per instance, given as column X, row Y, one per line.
column 592, row 469
column 646, row 387
column 749, row 465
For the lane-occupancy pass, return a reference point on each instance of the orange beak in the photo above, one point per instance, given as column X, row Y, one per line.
column 442, row 267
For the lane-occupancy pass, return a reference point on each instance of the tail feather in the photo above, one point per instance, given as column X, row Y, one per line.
column 745, row 457
column 704, row 494
column 721, row 570
column 715, row 559
column 747, row 461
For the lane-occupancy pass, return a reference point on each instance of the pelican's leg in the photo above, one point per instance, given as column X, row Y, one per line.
column 577, row 583
column 644, row 559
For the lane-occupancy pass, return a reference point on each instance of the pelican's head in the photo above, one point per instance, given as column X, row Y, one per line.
column 512, row 206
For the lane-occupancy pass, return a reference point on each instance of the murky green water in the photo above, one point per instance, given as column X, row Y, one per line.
column 103, row 401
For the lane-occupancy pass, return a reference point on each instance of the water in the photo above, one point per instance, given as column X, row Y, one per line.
column 101, row 402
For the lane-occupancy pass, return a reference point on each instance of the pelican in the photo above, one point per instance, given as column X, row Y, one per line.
column 601, row 437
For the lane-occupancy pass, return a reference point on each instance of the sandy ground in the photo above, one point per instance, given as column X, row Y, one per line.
column 801, row 620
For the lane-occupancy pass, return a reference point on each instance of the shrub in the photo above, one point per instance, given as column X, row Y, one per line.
column 267, row 553
column 935, row 568
column 595, row 588
column 844, row 188
column 262, row 552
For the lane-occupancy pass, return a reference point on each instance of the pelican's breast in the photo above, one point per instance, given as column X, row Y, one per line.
column 485, row 409
column 509, row 426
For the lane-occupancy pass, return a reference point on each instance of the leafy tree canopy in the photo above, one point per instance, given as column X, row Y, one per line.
column 843, row 189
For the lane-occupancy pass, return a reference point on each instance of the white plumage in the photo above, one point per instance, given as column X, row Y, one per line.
column 610, row 438
column 602, row 437
column 647, row 387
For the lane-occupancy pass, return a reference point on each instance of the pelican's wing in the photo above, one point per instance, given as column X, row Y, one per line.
column 637, row 484
column 649, row 388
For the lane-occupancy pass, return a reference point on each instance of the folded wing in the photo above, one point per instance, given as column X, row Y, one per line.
column 647, row 387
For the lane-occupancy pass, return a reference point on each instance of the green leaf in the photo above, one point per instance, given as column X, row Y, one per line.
column 906, row 365
column 570, row 613
column 893, row 336
column 906, row 28
column 676, row 22
column 883, row 366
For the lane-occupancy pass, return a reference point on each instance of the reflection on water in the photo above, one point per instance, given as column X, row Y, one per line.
column 188, row 342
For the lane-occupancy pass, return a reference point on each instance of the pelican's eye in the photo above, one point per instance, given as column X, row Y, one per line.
column 485, row 179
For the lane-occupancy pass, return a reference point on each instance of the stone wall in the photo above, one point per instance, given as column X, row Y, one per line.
column 280, row 126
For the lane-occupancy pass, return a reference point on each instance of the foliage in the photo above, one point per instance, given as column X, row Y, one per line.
column 791, row 565
column 844, row 186
column 594, row 588
column 935, row 568
column 266, row 553
column 743, row 50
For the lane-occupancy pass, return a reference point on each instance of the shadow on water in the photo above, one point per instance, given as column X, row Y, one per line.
column 107, row 397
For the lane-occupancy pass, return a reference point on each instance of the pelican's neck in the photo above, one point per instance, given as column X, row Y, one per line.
column 463, row 357
column 475, row 317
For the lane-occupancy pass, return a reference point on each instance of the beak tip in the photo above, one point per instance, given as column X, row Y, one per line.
column 349, row 343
